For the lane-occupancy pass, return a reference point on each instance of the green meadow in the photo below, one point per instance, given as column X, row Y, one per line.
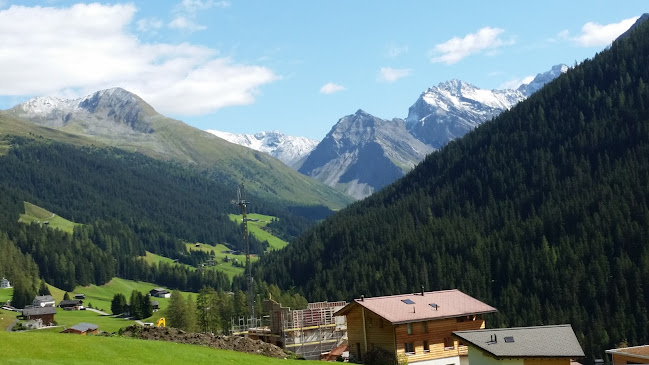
column 256, row 228
column 38, row 347
column 34, row 213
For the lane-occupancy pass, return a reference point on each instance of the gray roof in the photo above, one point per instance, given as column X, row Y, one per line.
column 160, row 290
column 84, row 326
column 38, row 311
column 64, row 303
column 154, row 302
column 44, row 298
column 542, row 341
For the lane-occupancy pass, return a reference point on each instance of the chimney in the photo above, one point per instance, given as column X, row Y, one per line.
column 362, row 298
column 422, row 290
column 496, row 338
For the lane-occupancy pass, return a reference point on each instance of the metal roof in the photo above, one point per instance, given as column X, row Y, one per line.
column 396, row 308
column 38, row 311
column 70, row 302
column 640, row 352
column 541, row 341
column 84, row 326
column 44, row 298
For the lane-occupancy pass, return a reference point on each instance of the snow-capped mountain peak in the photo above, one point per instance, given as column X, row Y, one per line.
column 288, row 149
column 541, row 79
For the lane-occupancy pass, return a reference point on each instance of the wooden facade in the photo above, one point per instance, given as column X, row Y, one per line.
column 430, row 339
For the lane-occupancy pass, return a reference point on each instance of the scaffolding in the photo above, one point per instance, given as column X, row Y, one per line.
column 308, row 332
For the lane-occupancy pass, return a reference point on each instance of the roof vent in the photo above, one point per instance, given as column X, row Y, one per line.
column 422, row 290
column 434, row 305
column 509, row 339
column 407, row 301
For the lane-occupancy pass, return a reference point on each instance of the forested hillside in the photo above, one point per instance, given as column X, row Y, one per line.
column 542, row 213
column 128, row 204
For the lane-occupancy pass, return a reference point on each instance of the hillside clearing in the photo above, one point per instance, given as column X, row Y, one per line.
column 256, row 225
column 34, row 213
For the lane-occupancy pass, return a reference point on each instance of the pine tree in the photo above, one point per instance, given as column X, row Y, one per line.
column 43, row 289
column 66, row 296
column 177, row 310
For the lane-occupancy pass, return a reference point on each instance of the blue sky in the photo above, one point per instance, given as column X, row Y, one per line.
column 292, row 66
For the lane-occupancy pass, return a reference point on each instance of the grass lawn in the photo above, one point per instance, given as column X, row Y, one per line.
column 34, row 213
column 152, row 258
column 7, row 318
column 256, row 229
column 37, row 347
column 6, row 294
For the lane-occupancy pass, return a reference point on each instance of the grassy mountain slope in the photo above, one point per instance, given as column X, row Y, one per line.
column 542, row 212
column 121, row 119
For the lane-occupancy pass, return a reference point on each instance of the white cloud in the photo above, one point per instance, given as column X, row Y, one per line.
column 194, row 6
column 184, row 23
column 389, row 74
column 452, row 51
column 515, row 83
column 330, row 88
column 186, row 11
column 394, row 51
column 594, row 34
column 149, row 24
column 75, row 51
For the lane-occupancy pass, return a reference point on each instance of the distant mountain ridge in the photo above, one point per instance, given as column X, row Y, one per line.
column 363, row 153
column 288, row 149
column 116, row 117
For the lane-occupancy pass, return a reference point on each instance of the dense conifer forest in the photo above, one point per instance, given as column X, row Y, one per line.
column 542, row 212
column 128, row 204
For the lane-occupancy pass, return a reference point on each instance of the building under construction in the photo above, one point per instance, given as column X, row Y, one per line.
column 309, row 332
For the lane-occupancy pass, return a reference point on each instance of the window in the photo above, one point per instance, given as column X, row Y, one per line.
column 426, row 348
column 449, row 343
column 409, row 328
column 424, row 327
column 409, row 347
column 407, row 301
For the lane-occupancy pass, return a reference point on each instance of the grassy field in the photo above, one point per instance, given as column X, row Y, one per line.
column 6, row 318
column 256, row 229
column 6, row 294
column 225, row 267
column 100, row 296
column 36, row 347
column 34, row 213
column 154, row 259
column 105, row 323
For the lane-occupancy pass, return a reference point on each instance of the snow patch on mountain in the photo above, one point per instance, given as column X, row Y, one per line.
column 541, row 79
column 288, row 149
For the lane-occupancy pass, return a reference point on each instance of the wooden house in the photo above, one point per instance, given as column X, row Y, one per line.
column 45, row 314
column 630, row 355
column 155, row 306
column 82, row 329
column 416, row 326
column 541, row 345
column 80, row 296
column 160, row 293
column 71, row 304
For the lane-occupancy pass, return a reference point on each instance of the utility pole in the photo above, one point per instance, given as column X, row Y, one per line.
column 242, row 203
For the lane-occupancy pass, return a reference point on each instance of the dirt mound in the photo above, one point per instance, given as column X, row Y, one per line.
column 236, row 343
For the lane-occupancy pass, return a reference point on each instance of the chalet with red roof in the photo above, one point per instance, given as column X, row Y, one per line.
column 418, row 326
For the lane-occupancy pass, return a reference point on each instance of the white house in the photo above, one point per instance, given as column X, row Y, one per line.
column 5, row 284
column 43, row 301
column 160, row 293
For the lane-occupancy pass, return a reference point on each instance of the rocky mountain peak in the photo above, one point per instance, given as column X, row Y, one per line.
column 111, row 108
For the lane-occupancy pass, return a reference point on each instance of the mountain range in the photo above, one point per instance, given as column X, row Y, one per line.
column 288, row 149
column 119, row 118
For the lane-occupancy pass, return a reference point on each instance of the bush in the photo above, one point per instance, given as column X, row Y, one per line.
column 379, row 356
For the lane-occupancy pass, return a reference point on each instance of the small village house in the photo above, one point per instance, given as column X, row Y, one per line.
column 541, row 345
column 630, row 355
column 5, row 284
column 155, row 306
column 43, row 301
column 80, row 296
column 82, row 329
column 160, row 293
column 72, row 304
column 45, row 314
column 416, row 326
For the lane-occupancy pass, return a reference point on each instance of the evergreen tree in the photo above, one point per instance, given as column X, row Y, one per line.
column 66, row 296
column 177, row 310
column 43, row 289
column 118, row 304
